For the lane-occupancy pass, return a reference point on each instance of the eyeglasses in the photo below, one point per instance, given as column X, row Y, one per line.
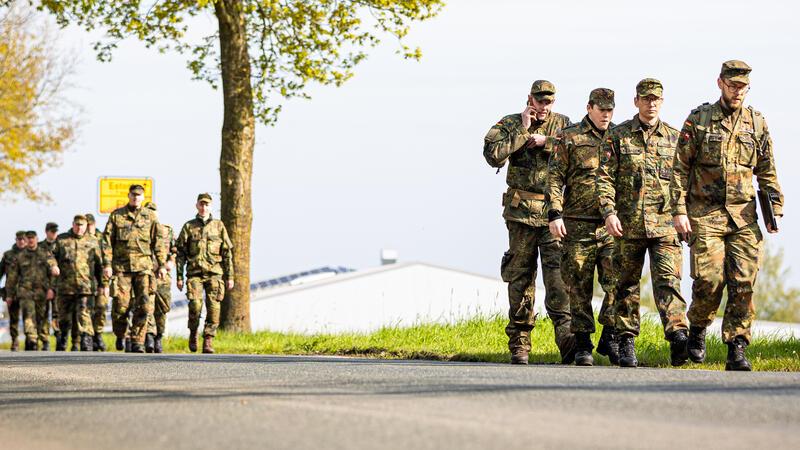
column 734, row 88
column 651, row 99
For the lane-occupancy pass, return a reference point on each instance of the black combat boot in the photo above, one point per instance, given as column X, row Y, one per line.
column 627, row 351
column 149, row 343
column 157, row 347
column 128, row 345
column 608, row 344
column 736, row 359
column 678, row 348
column 568, row 349
column 697, row 344
column 192, row 341
column 14, row 344
column 137, row 347
column 46, row 345
column 99, row 344
column 120, row 344
column 75, row 345
column 30, row 345
column 61, row 344
column 86, row 342
column 583, row 349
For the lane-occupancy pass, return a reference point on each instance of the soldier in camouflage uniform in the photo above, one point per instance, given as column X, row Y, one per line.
column 130, row 243
column 29, row 283
column 81, row 264
column 721, row 147
column 575, row 218
column 157, row 323
column 526, row 142
column 205, row 250
column 633, row 187
column 13, row 307
column 49, row 242
column 99, row 302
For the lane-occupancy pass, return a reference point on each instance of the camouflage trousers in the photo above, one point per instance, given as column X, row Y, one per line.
column 518, row 268
column 33, row 304
column 587, row 246
column 666, row 259
column 214, row 288
column 157, row 323
column 13, row 319
column 74, row 309
column 132, row 294
column 99, row 308
column 723, row 255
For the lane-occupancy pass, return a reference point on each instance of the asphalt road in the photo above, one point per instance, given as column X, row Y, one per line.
column 100, row 401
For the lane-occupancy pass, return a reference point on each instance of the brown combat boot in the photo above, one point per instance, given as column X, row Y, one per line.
column 207, row 341
column 519, row 356
column 192, row 341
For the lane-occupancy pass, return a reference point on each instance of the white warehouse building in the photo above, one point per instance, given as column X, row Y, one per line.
column 341, row 300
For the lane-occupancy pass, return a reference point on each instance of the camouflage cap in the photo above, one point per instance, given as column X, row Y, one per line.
column 79, row 218
column 204, row 197
column 89, row 218
column 602, row 97
column 543, row 90
column 20, row 234
column 151, row 205
column 136, row 188
column 30, row 233
column 649, row 86
column 735, row 70
column 51, row 226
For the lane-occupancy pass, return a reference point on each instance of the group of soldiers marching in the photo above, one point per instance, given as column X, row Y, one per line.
column 71, row 276
column 593, row 195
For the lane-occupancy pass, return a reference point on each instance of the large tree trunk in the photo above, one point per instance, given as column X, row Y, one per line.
column 236, row 158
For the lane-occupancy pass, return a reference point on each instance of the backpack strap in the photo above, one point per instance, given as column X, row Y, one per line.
column 758, row 130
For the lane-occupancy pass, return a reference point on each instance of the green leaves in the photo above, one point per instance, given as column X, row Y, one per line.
column 37, row 124
column 291, row 42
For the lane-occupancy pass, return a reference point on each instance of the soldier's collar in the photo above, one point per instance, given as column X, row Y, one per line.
column 636, row 125
column 210, row 216
column 588, row 125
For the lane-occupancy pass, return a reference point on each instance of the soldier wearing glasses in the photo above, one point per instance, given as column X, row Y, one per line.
column 633, row 186
column 721, row 147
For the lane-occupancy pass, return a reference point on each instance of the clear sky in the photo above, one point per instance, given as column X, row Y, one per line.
column 394, row 158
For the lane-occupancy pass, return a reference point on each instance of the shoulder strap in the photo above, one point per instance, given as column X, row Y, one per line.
column 758, row 130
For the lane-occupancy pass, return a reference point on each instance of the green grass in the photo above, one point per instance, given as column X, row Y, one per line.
column 480, row 339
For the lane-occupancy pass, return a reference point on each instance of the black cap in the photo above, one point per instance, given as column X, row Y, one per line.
column 51, row 226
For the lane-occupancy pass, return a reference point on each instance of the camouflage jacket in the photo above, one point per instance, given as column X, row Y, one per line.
column 715, row 163
column 204, row 249
column 50, row 246
column 30, row 272
column 527, row 165
column 131, row 242
column 634, row 175
column 573, row 169
column 5, row 264
column 80, row 262
column 168, row 240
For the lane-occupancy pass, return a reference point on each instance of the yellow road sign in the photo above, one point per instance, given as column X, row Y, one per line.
column 113, row 192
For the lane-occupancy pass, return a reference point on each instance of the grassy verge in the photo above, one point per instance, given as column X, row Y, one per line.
column 481, row 339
